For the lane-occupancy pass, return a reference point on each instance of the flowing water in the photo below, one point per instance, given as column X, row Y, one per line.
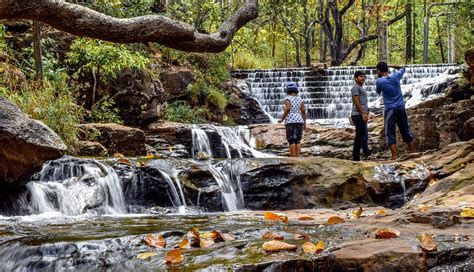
column 326, row 93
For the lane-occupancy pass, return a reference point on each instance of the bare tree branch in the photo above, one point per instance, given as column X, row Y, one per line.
column 346, row 7
column 83, row 21
column 396, row 18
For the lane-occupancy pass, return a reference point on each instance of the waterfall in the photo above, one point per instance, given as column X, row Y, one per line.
column 238, row 139
column 229, row 184
column 326, row 93
column 236, row 142
column 74, row 186
column 201, row 147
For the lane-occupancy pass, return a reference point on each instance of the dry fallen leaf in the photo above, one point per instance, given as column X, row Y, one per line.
column 386, row 233
column 119, row 155
column 467, row 213
column 424, row 207
column 301, row 236
column 309, row 247
column 433, row 182
column 208, row 235
column 272, row 236
column 173, row 256
column 149, row 156
column 146, row 255
column 427, row 242
column 124, row 161
column 155, row 240
column 305, row 217
column 357, row 213
column 381, row 212
column 184, row 243
column 274, row 246
column 274, row 216
column 335, row 220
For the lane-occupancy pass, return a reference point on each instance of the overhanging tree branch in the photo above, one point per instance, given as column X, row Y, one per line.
column 346, row 7
column 82, row 21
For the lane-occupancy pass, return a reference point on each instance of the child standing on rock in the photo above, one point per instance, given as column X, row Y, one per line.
column 295, row 119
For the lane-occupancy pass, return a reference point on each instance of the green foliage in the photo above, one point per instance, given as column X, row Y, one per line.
column 53, row 103
column 103, row 58
column 105, row 111
column 217, row 99
column 181, row 112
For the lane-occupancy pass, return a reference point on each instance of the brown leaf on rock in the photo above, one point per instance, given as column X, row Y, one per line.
column 357, row 213
column 427, row 242
column 124, row 161
column 335, row 220
column 155, row 240
column 424, row 208
column 305, row 217
column 146, row 255
column 309, row 247
column 173, row 256
column 274, row 216
column 301, row 236
column 274, row 246
column 386, row 233
column 272, row 236
column 208, row 235
column 467, row 213
column 184, row 243
column 381, row 213
column 119, row 155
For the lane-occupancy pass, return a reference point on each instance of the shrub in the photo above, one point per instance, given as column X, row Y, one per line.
column 217, row 99
column 179, row 111
column 104, row 111
column 53, row 103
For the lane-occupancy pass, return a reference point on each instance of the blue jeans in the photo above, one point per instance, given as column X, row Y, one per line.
column 393, row 118
column 361, row 139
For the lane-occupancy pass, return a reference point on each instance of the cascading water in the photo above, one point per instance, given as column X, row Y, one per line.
column 326, row 93
column 74, row 186
column 236, row 142
column 200, row 143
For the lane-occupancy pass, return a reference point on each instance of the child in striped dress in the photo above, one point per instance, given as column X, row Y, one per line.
column 295, row 119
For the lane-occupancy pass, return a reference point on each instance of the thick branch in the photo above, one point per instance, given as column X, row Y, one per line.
column 397, row 18
column 346, row 7
column 85, row 22
column 355, row 43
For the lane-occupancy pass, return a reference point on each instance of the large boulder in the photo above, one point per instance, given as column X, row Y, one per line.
column 175, row 83
column 116, row 138
column 242, row 107
column 25, row 144
column 139, row 96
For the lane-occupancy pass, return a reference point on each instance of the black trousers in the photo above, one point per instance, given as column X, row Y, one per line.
column 361, row 139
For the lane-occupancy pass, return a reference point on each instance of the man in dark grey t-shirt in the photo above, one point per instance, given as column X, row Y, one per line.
column 360, row 116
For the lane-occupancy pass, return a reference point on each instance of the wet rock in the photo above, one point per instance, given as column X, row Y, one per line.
column 243, row 108
column 175, row 83
column 90, row 149
column 26, row 144
column 116, row 138
column 139, row 97
column 379, row 255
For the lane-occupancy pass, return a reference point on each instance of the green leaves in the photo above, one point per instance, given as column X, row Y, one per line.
column 104, row 58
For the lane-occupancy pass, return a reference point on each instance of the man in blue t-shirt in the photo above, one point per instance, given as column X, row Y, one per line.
column 394, row 107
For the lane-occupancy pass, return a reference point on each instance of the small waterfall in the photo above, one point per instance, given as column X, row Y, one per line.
column 201, row 147
column 238, row 139
column 326, row 93
column 229, row 184
column 74, row 186
column 170, row 173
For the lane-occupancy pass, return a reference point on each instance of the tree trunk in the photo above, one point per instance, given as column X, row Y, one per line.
column 82, row 21
column 382, row 42
column 297, row 49
column 440, row 40
column 408, row 34
column 37, row 50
